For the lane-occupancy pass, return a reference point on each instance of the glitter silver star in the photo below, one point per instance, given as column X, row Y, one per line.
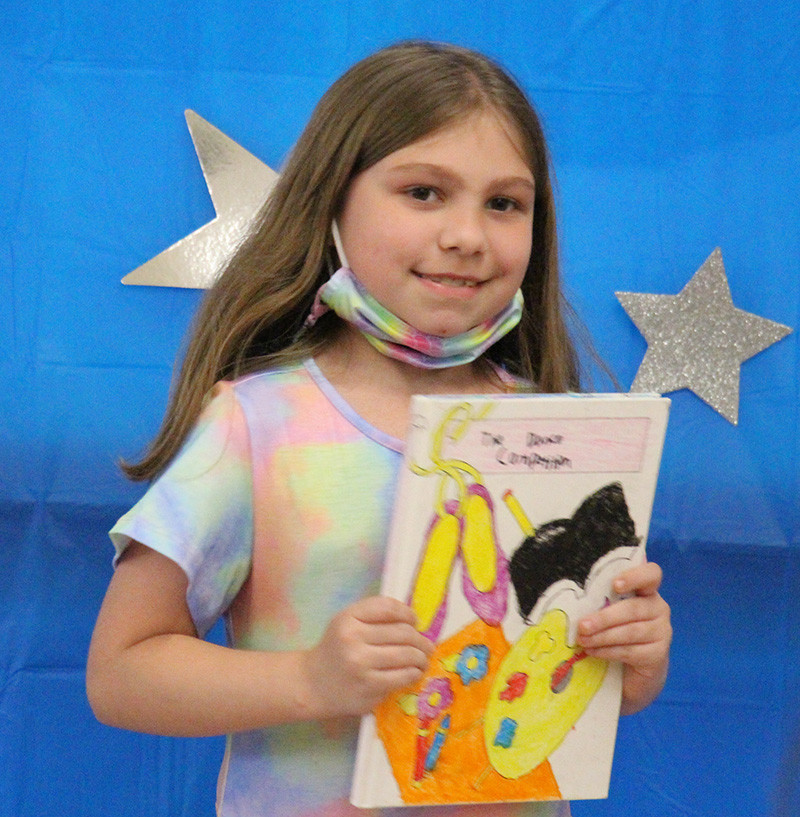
column 238, row 183
column 698, row 339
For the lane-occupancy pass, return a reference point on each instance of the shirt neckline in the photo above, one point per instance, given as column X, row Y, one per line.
column 348, row 412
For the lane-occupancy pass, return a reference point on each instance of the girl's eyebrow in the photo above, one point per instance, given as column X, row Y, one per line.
column 444, row 172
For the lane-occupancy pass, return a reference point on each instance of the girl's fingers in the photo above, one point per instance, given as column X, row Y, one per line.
column 388, row 621
column 643, row 580
column 638, row 656
column 636, row 630
column 636, row 642
column 632, row 633
column 382, row 610
column 392, row 658
column 635, row 609
column 385, row 635
column 643, row 603
column 391, row 680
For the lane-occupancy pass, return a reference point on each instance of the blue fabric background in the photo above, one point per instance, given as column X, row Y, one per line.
column 675, row 128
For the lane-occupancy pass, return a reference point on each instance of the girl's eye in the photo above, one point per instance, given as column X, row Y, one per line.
column 422, row 193
column 502, row 204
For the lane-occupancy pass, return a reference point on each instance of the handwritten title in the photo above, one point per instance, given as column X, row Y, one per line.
column 538, row 451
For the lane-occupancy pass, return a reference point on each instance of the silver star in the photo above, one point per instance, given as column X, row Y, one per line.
column 698, row 339
column 238, row 183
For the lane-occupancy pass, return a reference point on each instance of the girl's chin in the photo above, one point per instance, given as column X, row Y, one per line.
column 439, row 331
column 446, row 330
column 439, row 326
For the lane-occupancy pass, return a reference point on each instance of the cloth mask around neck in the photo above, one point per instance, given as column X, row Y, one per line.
column 392, row 336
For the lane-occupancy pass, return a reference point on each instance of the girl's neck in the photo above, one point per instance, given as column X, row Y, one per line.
column 379, row 388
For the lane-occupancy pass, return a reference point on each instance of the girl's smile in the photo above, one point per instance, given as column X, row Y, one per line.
column 439, row 231
column 448, row 281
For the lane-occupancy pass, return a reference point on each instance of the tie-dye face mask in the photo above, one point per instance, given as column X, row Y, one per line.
column 392, row 336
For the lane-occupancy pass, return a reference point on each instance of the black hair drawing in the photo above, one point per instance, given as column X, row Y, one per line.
column 568, row 548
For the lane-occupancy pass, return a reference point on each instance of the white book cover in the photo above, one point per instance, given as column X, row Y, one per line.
column 512, row 517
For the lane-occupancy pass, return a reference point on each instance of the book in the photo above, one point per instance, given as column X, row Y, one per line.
column 513, row 515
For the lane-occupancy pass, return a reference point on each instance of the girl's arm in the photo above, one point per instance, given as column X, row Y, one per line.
column 148, row 671
column 636, row 631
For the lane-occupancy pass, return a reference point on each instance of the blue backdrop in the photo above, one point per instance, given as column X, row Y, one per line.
column 675, row 128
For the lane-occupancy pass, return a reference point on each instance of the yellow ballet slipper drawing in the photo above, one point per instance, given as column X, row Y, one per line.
column 485, row 575
column 429, row 592
column 477, row 542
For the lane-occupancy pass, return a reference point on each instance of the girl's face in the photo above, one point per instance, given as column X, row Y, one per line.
column 439, row 231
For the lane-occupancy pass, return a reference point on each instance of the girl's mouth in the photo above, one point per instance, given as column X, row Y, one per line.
column 447, row 280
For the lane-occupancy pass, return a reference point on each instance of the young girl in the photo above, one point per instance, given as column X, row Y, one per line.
column 275, row 467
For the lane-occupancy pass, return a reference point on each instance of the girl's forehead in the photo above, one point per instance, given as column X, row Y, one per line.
column 485, row 130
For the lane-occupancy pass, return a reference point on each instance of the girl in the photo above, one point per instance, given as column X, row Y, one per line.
column 275, row 466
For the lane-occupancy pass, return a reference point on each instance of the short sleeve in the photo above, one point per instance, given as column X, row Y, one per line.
column 199, row 512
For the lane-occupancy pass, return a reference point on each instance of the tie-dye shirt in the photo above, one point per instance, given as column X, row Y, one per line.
column 277, row 509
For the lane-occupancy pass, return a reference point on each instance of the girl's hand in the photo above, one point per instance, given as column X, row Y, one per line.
column 369, row 649
column 636, row 631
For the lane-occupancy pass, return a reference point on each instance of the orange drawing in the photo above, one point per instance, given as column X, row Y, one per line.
column 463, row 771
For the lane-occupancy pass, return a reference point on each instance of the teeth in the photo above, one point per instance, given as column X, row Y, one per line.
column 450, row 282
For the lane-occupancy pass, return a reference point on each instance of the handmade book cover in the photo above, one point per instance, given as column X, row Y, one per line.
column 513, row 515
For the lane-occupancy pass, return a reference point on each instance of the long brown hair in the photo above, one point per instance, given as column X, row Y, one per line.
column 252, row 318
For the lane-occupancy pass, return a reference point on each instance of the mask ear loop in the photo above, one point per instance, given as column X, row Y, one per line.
column 318, row 308
column 337, row 242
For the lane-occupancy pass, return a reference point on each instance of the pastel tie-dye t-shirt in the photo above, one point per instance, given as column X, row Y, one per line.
column 277, row 508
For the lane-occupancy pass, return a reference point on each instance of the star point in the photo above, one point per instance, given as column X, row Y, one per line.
column 238, row 184
column 698, row 339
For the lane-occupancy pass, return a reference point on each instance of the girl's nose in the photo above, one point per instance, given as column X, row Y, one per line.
column 463, row 230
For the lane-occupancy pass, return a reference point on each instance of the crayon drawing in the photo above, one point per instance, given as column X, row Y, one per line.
column 503, row 702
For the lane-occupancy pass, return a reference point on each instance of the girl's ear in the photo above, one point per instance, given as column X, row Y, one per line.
column 337, row 242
